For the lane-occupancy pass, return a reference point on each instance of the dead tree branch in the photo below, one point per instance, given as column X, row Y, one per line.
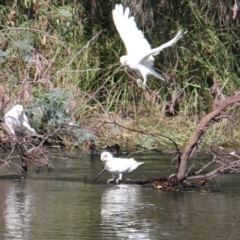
column 202, row 126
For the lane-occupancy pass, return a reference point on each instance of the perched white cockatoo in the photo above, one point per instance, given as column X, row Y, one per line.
column 16, row 120
column 118, row 166
column 139, row 53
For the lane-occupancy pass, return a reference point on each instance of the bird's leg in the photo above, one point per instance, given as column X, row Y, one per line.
column 144, row 84
column 112, row 179
column 139, row 82
column 119, row 178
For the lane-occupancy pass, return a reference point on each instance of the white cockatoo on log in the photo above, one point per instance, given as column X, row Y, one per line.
column 118, row 166
column 140, row 55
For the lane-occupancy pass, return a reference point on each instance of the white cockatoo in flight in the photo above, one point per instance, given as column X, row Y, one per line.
column 140, row 55
column 118, row 166
column 16, row 120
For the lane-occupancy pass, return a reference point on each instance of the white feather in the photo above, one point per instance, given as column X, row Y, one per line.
column 132, row 37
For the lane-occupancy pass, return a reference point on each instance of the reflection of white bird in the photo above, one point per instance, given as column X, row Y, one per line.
column 129, row 200
column 19, row 210
column 118, row 165
column 16, row 120
column 140, row 55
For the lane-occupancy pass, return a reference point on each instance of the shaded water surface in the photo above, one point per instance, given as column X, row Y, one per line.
column 59, row 205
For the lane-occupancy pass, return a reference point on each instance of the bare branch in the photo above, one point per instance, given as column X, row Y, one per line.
column 199, row 133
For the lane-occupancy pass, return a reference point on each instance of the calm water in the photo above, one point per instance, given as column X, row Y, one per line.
column 59, row 205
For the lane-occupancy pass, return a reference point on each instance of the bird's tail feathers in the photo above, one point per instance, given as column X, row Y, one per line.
column 157, row 75
column 135, row 166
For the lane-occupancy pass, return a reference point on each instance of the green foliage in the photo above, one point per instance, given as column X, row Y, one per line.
column 52, row 107
column 58, row 45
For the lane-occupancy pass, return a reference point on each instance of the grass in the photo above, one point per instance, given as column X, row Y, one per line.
column 46, row 47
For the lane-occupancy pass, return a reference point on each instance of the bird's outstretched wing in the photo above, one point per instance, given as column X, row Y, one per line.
column 157, row 50
column 133, row 38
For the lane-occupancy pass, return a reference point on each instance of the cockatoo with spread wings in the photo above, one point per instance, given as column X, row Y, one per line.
column 140, row 55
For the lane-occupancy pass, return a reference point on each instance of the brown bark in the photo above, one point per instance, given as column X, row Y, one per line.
column 199, row 132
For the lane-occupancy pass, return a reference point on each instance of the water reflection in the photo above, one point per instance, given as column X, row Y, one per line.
column 132, row 212
column 59, row 205
column 120, row 213
column 18, row 211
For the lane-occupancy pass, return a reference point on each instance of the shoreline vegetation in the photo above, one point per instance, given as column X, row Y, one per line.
column 60, row 60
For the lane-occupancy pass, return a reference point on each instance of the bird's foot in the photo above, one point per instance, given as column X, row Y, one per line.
column 111, row 181
column 141, row 84
column 129, row 180
column 119, row 180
